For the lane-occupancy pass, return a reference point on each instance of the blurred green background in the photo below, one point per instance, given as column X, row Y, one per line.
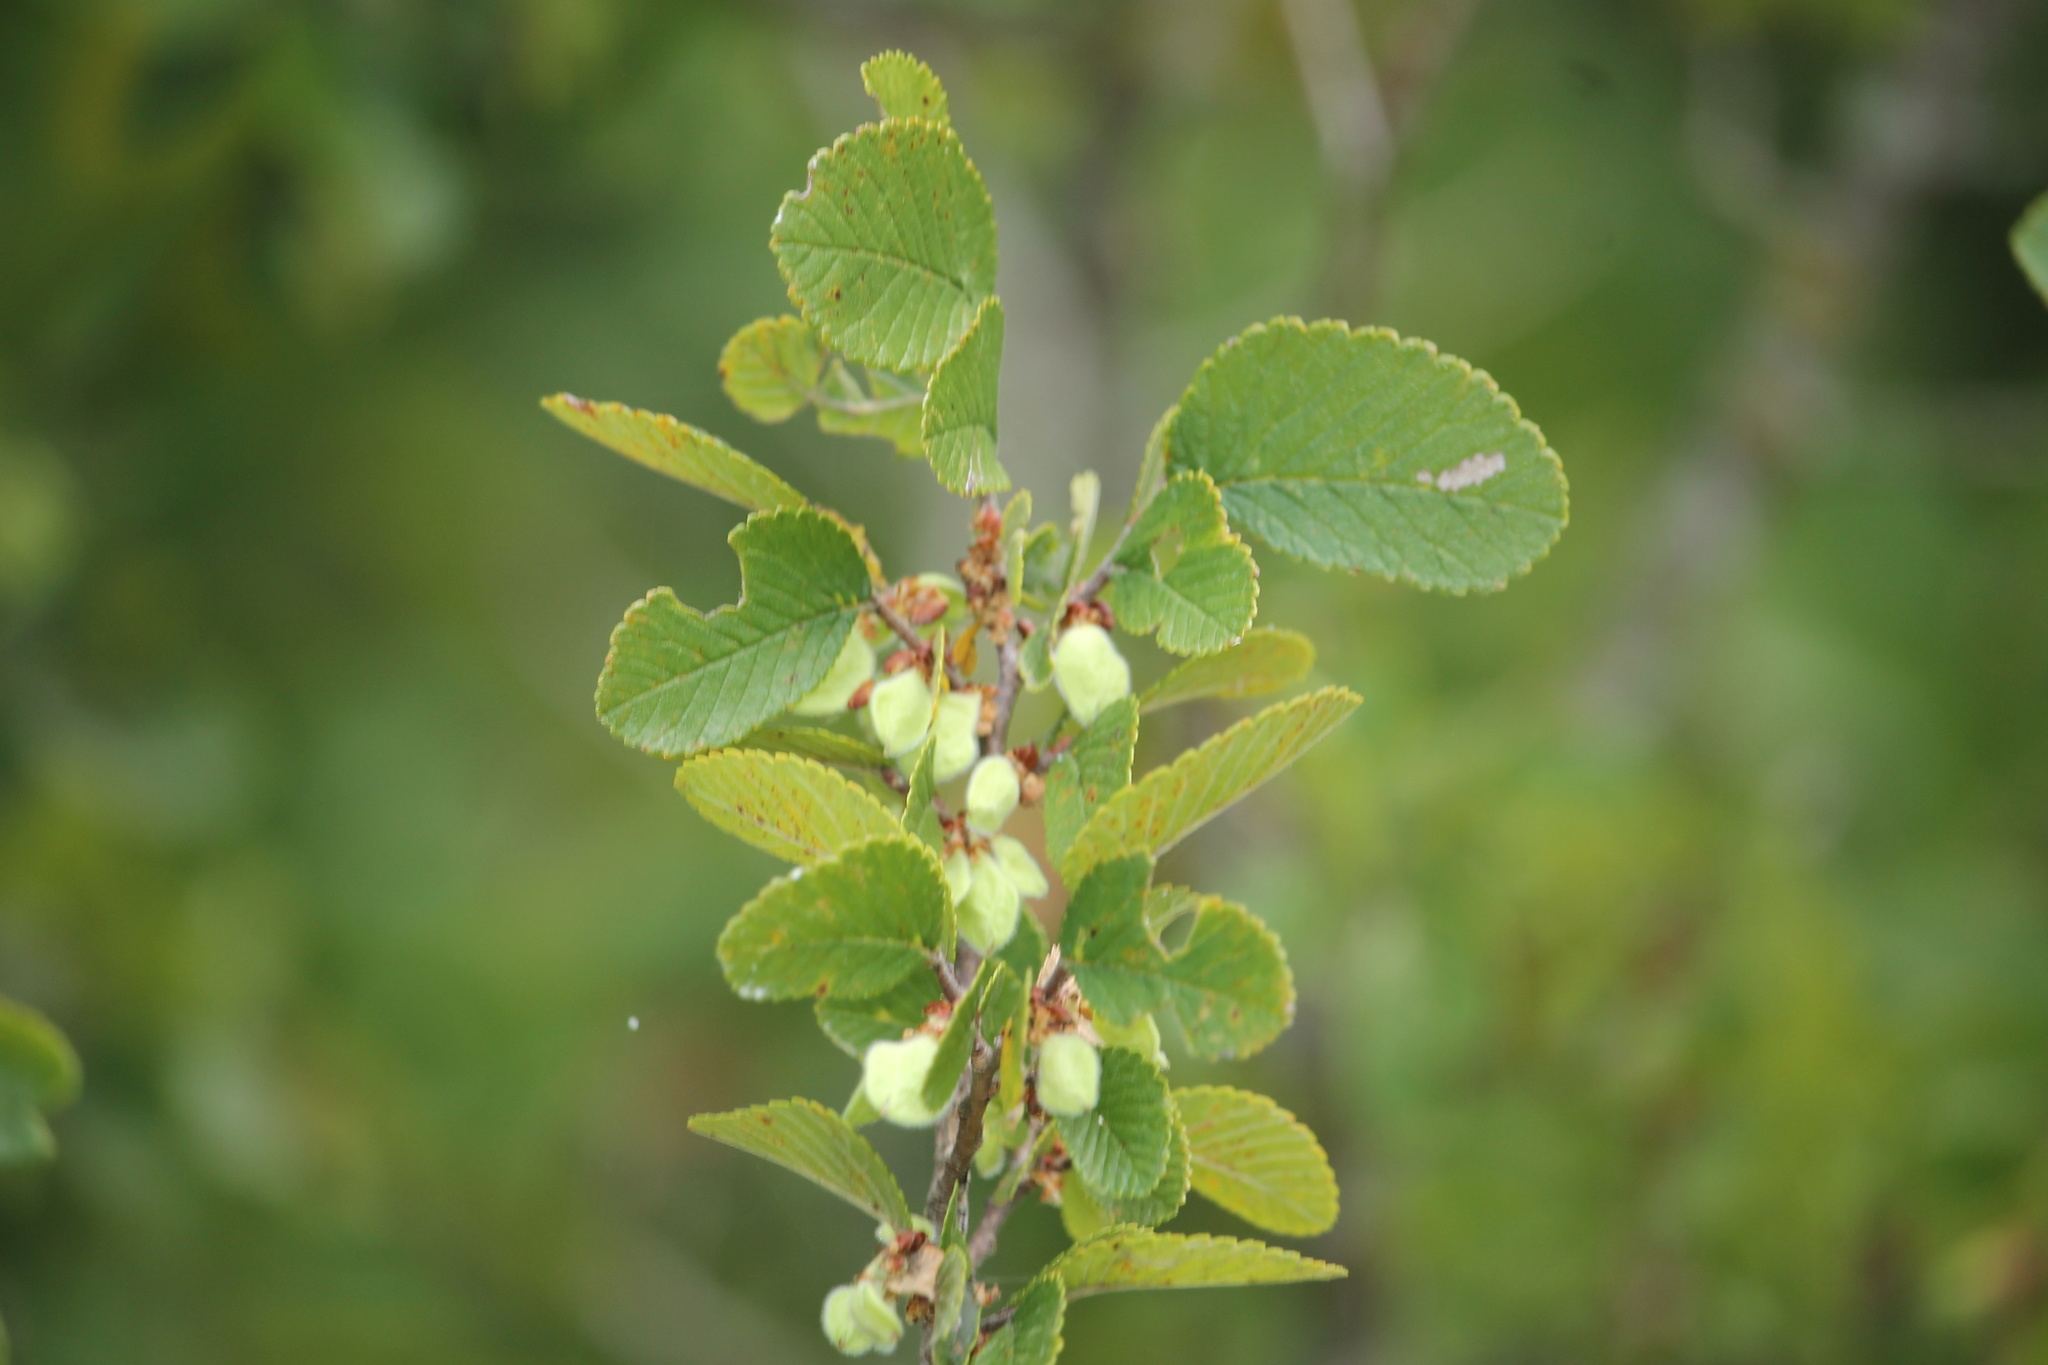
column 1673, row 928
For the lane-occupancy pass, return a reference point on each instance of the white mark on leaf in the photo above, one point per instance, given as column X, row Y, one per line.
column 633, row 1022
column 1467, row 473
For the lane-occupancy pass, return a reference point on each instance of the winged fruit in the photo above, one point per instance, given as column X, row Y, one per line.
column 893, row 1076
column 992, row 792
column 1089, row 671
column 900, row 708
column 1069, row 1075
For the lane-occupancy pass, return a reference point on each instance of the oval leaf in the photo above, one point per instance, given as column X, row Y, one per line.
column 1264, row 660
column 959, row 425
column 891, row 247
column 1363, row 450
column 854, row 926
column 806, row 1137
column 1258, row 1161
column 904, row 87
column 677, row 681
column 676, row 449
column 1169, row 803
column 791, row 807
column 1120, row 1146
column 770, row 368
column 1139, row 1258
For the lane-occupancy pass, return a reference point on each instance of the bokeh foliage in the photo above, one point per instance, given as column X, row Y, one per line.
column 1672, row 931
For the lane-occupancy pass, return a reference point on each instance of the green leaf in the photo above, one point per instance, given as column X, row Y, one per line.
column 2030, row 244
column 1105, row 943
column 956, row 1044
column 771, row 367
column 856, row 1025
column 1032, row 1335
column 891, row 247
column 1184, row 573
column 676, row 449
column 811, row 741
column 853, row 926
column 677, row 681
column 891, row 408
column 1264, row 660
column 791, row 807
column 960, row 410
column 1084, row 1212
column 1120, row 1146
column 39, row 1074
column 1229, row 984
column 950, row 1291
column 1169, row 803
column 1096, row 768
column 1084, row 497
column 817, row 1144
column 1258, row 1161
column 1139, row 1258
column 917, row 815
column 904, row 87
column 1361, row 450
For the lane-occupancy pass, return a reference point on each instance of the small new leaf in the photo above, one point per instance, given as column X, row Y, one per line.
column 891, row 246
column 806, row 1137
column 811, row 741
column 904, row 87
column 1258, row 1161
column 956, row 1044
column 791, row 807
column 677, row 681
column 1032, row 1335
column 1207, row 596
column 1139, row 1258
column 1171, row 802
column 960, row 411
column 771, row 367
column 676, row 449
column 1120, row 1146
column 1096, row 768
column 1263, row 661
column 1362, row 450
column 853, row 927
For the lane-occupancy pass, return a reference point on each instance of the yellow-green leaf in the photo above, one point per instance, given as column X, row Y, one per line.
column 904, row 87
column 676, row 449
column 1258, row 1161
column 1262, row 661
column 812, row 741
column 1139, row 1258
column 960, row 411
column 791, row 807
column 853, row 926
column 1169, row 803
column 770, row 368
column 806, row 1137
